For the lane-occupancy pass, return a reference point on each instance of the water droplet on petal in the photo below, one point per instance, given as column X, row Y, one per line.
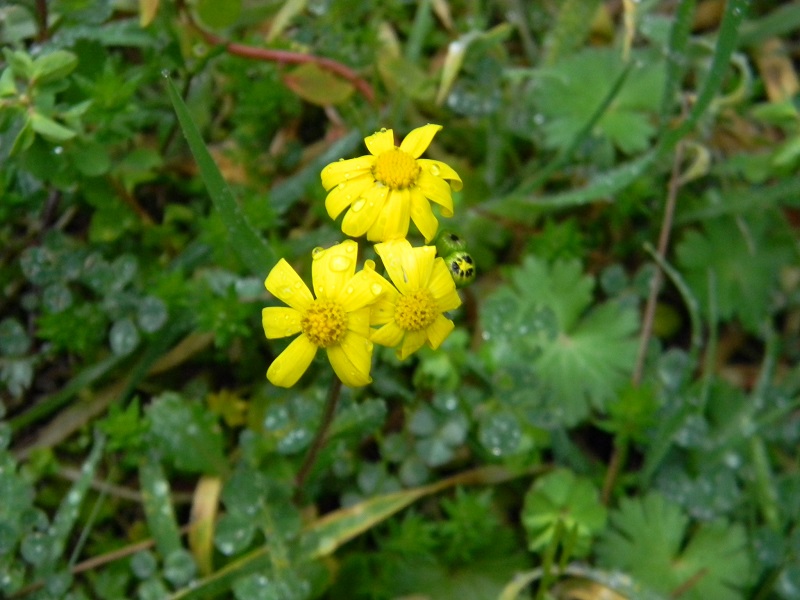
column 358, row 205
column 286, row 291
column 434, row 170
column 376, row 288
column 340, row 263
column 383, row 129
column 317, row 252
column 350, row 289
column 341, row 160
column 297, row 285
column 342, row 185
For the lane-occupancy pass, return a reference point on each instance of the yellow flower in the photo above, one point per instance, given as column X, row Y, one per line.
column 411, row 310
column 390, row 185
column 337, row 320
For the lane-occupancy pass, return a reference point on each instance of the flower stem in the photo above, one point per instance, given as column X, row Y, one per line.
column 320, row 438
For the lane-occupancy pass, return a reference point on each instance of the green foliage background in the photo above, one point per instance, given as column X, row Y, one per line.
column 617, row 409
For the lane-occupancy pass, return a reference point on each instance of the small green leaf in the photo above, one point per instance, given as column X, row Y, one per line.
column 53, row 66
column 187, row 434
column 20, row 63
column 317, row 85
column 8, row 86
column 219, row 15
column 49, row 129
column 24, row 138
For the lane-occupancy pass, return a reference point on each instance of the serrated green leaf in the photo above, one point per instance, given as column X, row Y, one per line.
column 574, row 87
column 562, row 502
column 734, row 266
column 573, row 358
column 590, row 363
column 647, row 540
column 561, row 286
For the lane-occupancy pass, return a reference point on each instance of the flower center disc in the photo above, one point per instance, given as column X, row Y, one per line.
column 416, row 311
column 396, row 169
column 325, row 323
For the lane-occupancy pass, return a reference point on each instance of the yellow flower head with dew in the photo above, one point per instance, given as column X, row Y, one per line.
column 410, row 312
column 336, row 320
column 391, row 185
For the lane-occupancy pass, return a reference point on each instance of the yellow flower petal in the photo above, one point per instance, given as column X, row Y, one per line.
column 422, row 215
column 380, row 141
column 332, row 268
column 383, row 310
column 280, row 321
column 442, row 286
column 439, row 169
column 389, row 335
column 392, row 222
column 364, row 212
column 438, row 331
column 418, row 140
column 343, row 195
column 419, row 266
column 351, row 373
column 436, row 190
column 345, row 170
column 393, row 256
column 284, row 283
column 364, row 288
column 412, row 342
column 292, row 362
column 358, row 321
column 398, row 215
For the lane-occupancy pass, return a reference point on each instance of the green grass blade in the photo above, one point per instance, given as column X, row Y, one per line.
column 69, row 509
column 727, row 38
column 601, row 187
column 781, row 21
column 247, row 243
column 676, row 56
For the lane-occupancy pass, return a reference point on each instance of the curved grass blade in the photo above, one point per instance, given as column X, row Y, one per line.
column 247, row 243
